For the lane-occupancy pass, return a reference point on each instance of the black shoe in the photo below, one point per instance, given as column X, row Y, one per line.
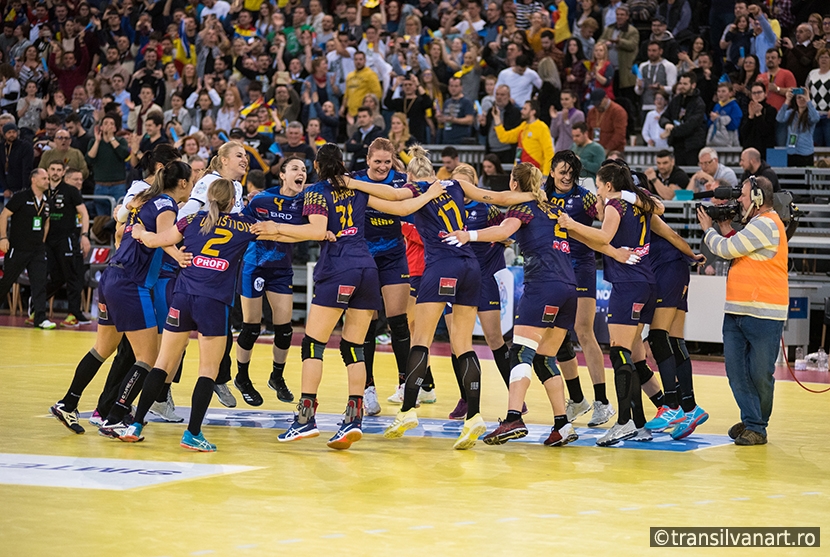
column 249, row 393
column 277, row 384
column 736, row 430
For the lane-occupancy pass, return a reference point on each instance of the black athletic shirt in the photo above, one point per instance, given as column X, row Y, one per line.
column 28, row 220
column 63, row 220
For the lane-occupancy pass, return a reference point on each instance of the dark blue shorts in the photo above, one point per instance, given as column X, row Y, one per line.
column 673, row 285
column 631, row 303
column 489, row 299
column 255, row 281
column 454, row 281
column 162, row 296
column 414, row 285
column 392, row 269
column 104, row 317
column 127, row 305
column 547, row 305
column 585, row 271
column 352, row 288
column 197, row 313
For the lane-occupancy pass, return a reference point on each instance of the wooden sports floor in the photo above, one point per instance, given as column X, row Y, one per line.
column 413, row 496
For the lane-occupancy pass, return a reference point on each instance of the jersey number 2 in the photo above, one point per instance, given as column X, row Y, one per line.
column 223, row 237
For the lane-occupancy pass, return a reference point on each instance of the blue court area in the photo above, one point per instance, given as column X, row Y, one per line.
column 433, row 428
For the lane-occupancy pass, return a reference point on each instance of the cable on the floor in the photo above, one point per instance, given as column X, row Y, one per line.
column 784, row 347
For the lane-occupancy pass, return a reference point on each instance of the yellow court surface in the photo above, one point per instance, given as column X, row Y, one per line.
column 411, row 496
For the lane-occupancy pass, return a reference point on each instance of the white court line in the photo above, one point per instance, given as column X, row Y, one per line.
column 292, row 540
column 629, row 508
column 333, row 536
column 373, row 532
column 422, row 527
column 589, row 512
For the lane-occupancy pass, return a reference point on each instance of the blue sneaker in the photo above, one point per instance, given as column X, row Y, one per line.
column 197, row 442
column 666, row 417
column 132, row 434
column 347, row 434
column 299, row 431
column 690, row 421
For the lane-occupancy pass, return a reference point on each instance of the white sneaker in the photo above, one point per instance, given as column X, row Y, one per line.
column 403, row 422
column 166, row 410
column 577, row 409
column 642, row 435
column 384, row 339
column 46, row 325
column 618, row 433
column 397, row 398
column 427, row 397
column 370, row 402
column 225, row 396
column 602, row 413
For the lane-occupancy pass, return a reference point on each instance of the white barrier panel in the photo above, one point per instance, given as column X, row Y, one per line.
column 704, row 321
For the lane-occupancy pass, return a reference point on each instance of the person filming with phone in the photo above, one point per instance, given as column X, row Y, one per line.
column 800, row 116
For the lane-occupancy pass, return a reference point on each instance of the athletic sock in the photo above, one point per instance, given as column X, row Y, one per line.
column 277, row 371
column 575, row 389
column 560, row 421
column 369, row 353
column 670, row 399
column 162, row 396
column 242, row 372
column 688, row 402
column 84, row 374
column 456, row 370
column 471, row 379
column 657, row 399
column 399, row 331
column 199, row 402
column 354, row 409
column 429, row 380
column 513, row 416
column 130, row 389
column 599, row 393
column 416, row 370
column 637, row 406
column 153, row 385
column 624, row 377
column 501, row 356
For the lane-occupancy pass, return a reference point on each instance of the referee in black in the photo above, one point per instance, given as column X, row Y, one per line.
column 68, row 241
column 24, row 242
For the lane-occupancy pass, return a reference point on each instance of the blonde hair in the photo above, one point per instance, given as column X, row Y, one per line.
column 405, row 135
column 221, row 196
column 466, row 171
column 419, row 166
column 223, row 152
column 529, row 179
column 381, row 144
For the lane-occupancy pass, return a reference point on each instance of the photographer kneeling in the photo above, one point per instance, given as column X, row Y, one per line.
column 757, row 300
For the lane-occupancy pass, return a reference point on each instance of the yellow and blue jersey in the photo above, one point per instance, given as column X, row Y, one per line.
column 383, row 231
column 139, row 263
column 490, row 255
column 545, row 245
column 272, row 205
column 580, row 204
column 438, row 218
column 634, row 232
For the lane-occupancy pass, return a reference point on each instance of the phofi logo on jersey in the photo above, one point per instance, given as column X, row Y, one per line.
column 351, row 231
column 446, row 286
column 102, row 311
column 549, row 314
column 212, row 263
column 173, row 317
column 344, row 293
column 259, row 284
column 636, row 309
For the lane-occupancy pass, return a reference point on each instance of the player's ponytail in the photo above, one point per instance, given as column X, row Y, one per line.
column 419, row 167
column 329, row 164
column 166, row 179
column 221, row 196
column 529, row 179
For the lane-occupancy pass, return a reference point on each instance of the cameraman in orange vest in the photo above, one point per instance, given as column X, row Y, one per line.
column 757, row 301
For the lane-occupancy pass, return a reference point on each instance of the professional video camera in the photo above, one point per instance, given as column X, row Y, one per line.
column 719, row 213
column 782, row 203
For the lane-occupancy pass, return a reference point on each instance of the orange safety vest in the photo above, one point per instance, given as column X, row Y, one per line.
column 759, row 288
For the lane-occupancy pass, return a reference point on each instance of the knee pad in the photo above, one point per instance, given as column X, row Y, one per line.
column 282, row 336
column 350, row 352
column 312, row 349
column 566, row 351
column 660, row 345
column 678, row 345
column 644, row 372
column 521, row 361
column 248, row 335
column 621, row 358
column 399, row 327
column 545, row 367
column 371, row 331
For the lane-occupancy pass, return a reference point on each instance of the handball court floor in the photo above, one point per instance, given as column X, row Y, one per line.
column 85, row 495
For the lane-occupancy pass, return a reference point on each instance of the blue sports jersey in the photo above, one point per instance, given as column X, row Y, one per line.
column 663, row 252
column 438, row 218
column 216, row 255
column 346, row 213
column 383, row 231
column 634, row 232
column 580, row 204
column 272, row 205
column 545, row 260
column 138, row 262
column 490, row 256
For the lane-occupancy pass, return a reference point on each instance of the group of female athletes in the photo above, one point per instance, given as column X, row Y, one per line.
column 156, row 294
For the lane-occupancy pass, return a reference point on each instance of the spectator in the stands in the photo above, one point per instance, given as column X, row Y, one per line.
column 753, row 165
column 800, row 56
column 138, row 115
column 661, row 34
column 601, row 73
column 457, row 114
column 818, row 85
column 711, row 170
column 678, row 15
column 652, row 131
column 65, row 153
column 16, row 161
column 589, row 152
column 490, row 166
column 684, row 121
column 765, row 37
column 359, row 143
column 668, row 177
column 520, row 78
column 759, row 129
column 737, row 43
column 587, row 36
column 407, row 96
column 575, row 70
column 778, row 80
column 655, row 74
column 511, row 117
column 449, row 161
column 800, row 115
column 622, row 39
column 607, row 122
column 748, row 73
column 707, row 81
column 725, row 119
column 562, row 121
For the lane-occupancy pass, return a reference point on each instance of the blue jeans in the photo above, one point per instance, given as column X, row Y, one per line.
column 821, row 135
column 750, row 348
column 103, row 207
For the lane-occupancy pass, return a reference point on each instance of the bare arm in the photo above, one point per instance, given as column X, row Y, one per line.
column 381, row 191
column 504, row 198
column 594, row 238
column 314, row 230
column 659, row 227
column 408, row 206
column 168, row 234
column 500, row 233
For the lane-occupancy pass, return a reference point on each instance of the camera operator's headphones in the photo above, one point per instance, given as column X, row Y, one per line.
column 756, row 194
